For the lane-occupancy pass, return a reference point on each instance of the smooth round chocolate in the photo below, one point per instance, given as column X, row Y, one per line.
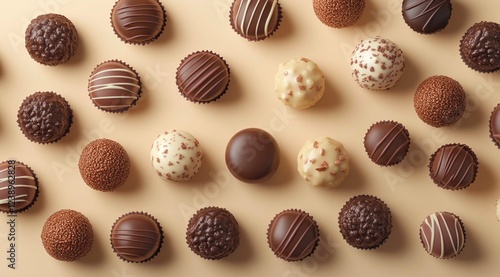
column 453, row 166
column 114, row 86
column 136, row 237
column 252, row 155
column 202, row 77
column 442, row 235
column 338, row 13
column 293, row 235
column 427, row 16
column 387, row 142
column 18, row 187
column 480, row 47
column 255, row 19
column 495, row 125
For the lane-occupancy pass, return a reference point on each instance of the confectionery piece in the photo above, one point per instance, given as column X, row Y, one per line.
column 67, row 235
column 44, row 117
column 213, row 233
column 202, row 77
column 293, row 235
column 442, row 235
column 495, row 125
column 377, row 64
column 252, row 155
column 138, row 21
column 498, row 209
column 136, row 237
column 114, row 86
column 51, row 39
column 338, row 13
column 439, row 101
column 299, row 83
column 176, row 156
column 453, row 166
column 480, row 47
column 255, row 19
column 427, row 16
column 18, row 187
column 104, row 165
column 387, row 142
column 323, row 162
column 365, row 222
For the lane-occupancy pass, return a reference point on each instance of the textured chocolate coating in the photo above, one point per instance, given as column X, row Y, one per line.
column 67, row 235
column 213, row 233
column 51, row 39
column 18, row 187
column 44, row 117
column 480, row 47
column 252, row 155
column 453, row 166
column 442, row 235
column 255, row 19
column 439, row 101
column 387, row 142
column 365, row 222
column 427, row 16
column 293, row 235
column 104, row 165
column 202, row 77
column 338, row 13
column 495, row 125
column 114, row 86
column 136, row 237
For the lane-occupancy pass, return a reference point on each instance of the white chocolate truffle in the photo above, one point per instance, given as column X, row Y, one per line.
column 323, row 162
column 176, row 156
column 377, row 63
column 299, row 83
column 498, row 209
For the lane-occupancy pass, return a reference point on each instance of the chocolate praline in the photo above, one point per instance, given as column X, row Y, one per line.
column 495, row 125
column 387, row 142
column 18, row 187
column 480, row 47
column 255, row 19
column 427, row 16
column 453, row 166
column 443, row 235
column 338, row 13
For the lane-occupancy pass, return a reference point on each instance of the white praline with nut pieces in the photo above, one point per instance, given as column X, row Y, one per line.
column 299, row 83
column 176, row 156
column 323, row 162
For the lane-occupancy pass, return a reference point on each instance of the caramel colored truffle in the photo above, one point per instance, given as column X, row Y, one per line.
column 338, row 13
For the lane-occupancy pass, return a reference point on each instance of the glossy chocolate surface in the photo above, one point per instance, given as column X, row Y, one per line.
column 18, row 187
column 453, row 166
column 442, row 235
column 387, row 142
column 427, row 16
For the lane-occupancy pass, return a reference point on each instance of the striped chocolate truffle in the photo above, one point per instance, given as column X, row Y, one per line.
column 453, row 166
column 18, row 187
column 114, row 86
column 426, row 16
column 387, row 142
column 255, row 19
column 442, row 235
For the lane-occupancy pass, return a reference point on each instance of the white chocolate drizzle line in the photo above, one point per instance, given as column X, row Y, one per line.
column 244, row 30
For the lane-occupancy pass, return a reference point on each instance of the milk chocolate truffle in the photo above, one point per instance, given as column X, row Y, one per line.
column 114, row 86
column 439, row 101
column 104, row 165
column 338, row 13
column 67, row 235
column 443, row 235
column 252, row 155
column 213, row 233
column 480, row 47
column 255, row 19
column 138, row 21
column 202, row 77
column 293, row 235
column 44, row 117
column 18, row 187
column 299, row 83
column 51, row 39
column 387, row 142
column 176, row 156
column 495, row 125
column 453, row 166
column 427, row 16
column 377, row 64
column 136, row 237
column 365, row 222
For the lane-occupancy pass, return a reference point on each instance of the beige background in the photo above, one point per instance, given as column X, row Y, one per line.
column 344, row 113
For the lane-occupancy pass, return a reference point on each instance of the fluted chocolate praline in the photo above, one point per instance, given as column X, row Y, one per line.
column 387, row 142
column 495, row 125
column 443, row 235
column 427, row 16
column 255, row 19
column 453, row 166
column 18, row 187
column 480, row 47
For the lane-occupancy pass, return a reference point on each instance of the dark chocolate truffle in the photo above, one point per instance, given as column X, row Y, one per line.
column 427, row 16
column 255, row 19
column 67, row 235
column 213, row 233
column 453, row 166
column 252, row 155
column 365, row 222
column 18, row 187
column 387, row 142
column 338, row 13
column 495, row 125
column 104, row 165
column 202, row 77
column 480, row 47
column 51, row 39
column 442, row 235
column 44, row 117
column 293, row 235
column 439, row 101
column 136, row 237
column 114, row 86
column 138, row 21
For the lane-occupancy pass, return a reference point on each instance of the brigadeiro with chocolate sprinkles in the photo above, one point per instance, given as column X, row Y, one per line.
column 480, row 47
column 338, row 13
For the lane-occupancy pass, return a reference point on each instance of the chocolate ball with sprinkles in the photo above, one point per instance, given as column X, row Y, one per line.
column 18, row 187
column 338, row 13
column 255, row 20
